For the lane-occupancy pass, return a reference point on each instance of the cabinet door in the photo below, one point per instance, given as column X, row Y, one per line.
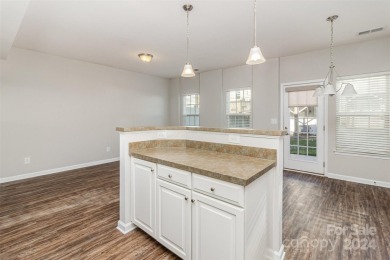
column 218, row 229
column 174, row 218
column 143, row 188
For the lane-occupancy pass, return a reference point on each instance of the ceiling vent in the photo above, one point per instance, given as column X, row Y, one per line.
column 371, row 31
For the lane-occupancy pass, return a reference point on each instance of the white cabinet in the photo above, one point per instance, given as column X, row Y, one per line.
column 143, row 187
column 199, row 217
column 217, row 229
column 174, row 218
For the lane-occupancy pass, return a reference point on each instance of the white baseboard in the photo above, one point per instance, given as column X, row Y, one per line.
column 56, row 170
column 358, row 180
column 125, row 228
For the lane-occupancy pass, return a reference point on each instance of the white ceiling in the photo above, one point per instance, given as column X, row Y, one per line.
column 11, row 16
column 114, row 32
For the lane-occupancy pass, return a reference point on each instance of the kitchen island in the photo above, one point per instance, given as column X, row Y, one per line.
column 204, row 193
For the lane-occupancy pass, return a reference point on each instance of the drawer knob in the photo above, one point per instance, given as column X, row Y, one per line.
column 192, row 200
column 212, row 189
column 152, row 170
column 170, row 176
column 186, row 198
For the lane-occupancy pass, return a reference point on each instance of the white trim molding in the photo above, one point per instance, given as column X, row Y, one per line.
column 56, row 170
column 358, row 180
column 125, row 228
column 279, row 255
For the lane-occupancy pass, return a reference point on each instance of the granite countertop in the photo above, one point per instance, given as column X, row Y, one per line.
column 205, row 129
column 233, row 168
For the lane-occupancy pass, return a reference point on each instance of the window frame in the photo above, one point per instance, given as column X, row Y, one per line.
column 183, row 115
column 339, row 115
column 235, row 114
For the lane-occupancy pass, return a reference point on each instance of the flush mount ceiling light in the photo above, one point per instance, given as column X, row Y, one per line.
column 188, row 71
column 145, row 57
column 255, row 55
column 330, row 88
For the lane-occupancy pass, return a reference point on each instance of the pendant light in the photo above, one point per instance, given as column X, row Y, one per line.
column 255, row 55
column 188, row 71
column 330, row 88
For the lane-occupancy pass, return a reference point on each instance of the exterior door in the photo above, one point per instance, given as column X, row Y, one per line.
column 218, row 229
column 143, row 195
column 304, row 120
column 174, row 218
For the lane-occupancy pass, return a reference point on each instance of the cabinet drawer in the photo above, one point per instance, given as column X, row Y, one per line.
column 176, row 176
column 223, row 190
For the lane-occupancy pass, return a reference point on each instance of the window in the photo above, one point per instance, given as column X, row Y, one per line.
column 362, row 121
column 191, row 110
column 239, row 108
column 303, row 123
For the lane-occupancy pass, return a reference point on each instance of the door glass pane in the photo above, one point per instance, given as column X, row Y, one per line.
column 303, row 130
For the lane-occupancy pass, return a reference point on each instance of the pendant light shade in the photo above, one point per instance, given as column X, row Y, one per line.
column 188, row 71
column 329, row 89
column 255, row 55
column 318, row 92
column 349, row 90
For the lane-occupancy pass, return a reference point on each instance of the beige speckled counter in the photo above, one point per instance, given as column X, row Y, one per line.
column 205, row 129
column 229, row 167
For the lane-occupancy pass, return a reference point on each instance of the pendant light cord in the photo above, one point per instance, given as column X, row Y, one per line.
column 188, row 35
column 330, row 80
column 254, row 22
column 331, row 43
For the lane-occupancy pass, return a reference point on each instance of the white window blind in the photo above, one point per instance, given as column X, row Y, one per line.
column 191, row 110
column 362, row 121
column 303, row 98
column 239, row 108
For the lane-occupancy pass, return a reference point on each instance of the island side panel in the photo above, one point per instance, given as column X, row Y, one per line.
column 125, row 224
column 262, row 141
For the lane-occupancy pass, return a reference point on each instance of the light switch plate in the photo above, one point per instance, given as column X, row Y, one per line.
column 235, row 139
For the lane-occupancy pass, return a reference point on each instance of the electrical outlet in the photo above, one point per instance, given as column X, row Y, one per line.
column 235, row 139
column 274, row 121
column 162, row 134
column 27, row 160
column 108, row 149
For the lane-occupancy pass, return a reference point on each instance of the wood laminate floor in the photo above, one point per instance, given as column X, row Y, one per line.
column 73, row 215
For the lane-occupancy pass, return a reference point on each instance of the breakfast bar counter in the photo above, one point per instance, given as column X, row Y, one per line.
column 204, row 193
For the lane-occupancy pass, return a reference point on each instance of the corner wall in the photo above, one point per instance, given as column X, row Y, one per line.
column 353, row 59
column 62, row 112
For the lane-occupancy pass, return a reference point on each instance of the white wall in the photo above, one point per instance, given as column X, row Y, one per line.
column 174, row 102
column 262, row 79
column 266, row 95
column 210, row 107
column 63, row 112
column 360, row 58
column 352, row 59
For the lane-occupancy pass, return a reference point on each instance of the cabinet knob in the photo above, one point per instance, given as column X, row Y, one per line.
column 192, row 200
column 212, row 189
column 152, row 170
column 170, row 176
column 186, row 198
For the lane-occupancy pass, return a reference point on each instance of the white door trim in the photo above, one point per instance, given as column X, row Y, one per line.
column 325, row 112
